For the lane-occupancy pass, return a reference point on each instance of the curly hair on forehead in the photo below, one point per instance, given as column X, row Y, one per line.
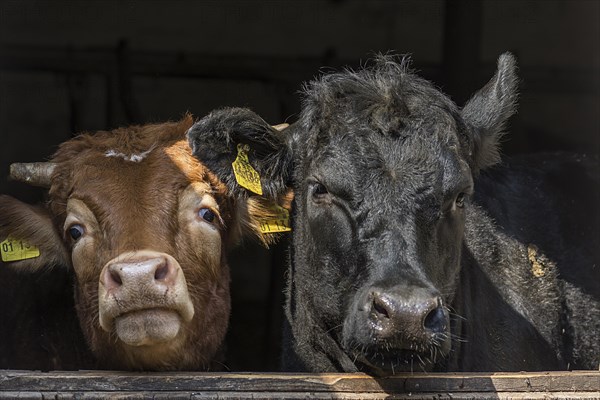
column 384, row 95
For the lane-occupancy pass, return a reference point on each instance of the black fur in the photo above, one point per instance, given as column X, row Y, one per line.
column 221, row 131
column 379, row 161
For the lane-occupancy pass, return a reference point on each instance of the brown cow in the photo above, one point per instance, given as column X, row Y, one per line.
column 144, row 227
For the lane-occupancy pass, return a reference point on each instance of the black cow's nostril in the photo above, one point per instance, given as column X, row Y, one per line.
column 380, row 307
column 435, row 321
column 161, row 272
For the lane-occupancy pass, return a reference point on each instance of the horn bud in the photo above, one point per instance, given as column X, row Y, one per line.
column 35, row 174
column 280, row 127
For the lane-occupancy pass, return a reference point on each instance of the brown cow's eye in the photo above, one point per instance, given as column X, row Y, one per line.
column 207, row 214
column 75, row 231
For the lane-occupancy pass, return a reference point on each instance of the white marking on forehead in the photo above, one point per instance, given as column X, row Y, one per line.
column 131, row 157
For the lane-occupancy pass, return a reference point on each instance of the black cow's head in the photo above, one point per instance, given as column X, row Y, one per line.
column 382, row 165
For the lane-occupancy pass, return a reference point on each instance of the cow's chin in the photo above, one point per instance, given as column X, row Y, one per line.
column 390, row 363
column 148, row 327
column 384, row 360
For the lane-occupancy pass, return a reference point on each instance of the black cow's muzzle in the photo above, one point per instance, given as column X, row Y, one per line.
column 401, row 328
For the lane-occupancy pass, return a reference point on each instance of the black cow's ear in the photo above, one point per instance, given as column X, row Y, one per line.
column 248, row 154
column 489, row 109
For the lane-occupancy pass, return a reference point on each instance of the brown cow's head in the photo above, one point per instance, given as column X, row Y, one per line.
column 144, row 227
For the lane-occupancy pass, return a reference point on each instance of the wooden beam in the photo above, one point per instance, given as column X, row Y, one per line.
column 92, row 384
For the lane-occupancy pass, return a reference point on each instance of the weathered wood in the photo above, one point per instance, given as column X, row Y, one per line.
column 186, row 385
column 294, row 395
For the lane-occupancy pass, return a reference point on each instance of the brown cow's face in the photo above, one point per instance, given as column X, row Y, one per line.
column 148, row 258
column 144, row 226
column 142, row 295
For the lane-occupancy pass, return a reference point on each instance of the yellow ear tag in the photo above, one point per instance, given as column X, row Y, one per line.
column 280, row 222
column 245, row 175
column 16, row 249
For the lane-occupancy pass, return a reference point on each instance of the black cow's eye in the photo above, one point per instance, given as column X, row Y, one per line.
column 75, row 231
column 318, row 193
column 319, row 190
column 460, row 200
column 207, row 214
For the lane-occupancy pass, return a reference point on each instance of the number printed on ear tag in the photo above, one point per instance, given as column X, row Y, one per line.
column 16, row 249
column 280, row 222
column 245, row 175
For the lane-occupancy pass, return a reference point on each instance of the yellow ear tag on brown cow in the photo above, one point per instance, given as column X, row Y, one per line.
column 280, row 222
column 16, row 249
column 245, row 175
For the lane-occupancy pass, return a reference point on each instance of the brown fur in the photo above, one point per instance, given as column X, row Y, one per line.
column 135, row 205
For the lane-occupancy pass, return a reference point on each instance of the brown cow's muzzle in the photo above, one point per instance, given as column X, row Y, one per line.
column 143, row 298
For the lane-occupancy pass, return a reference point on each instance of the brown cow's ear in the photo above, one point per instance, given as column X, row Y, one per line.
column 262, row 218
column 488, row 111
column 268, row 219
column 259, row 151
column 25, row 231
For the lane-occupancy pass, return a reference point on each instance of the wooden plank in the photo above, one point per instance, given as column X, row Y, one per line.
column 110, row 381
column 293, row 395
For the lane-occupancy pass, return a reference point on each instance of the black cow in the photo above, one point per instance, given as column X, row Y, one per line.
column 413, row 249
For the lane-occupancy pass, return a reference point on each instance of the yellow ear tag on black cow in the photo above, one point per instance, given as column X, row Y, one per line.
column 245, row 175
column 280, row 222
column 16, row 249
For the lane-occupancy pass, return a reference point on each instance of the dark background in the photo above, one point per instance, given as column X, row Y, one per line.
column 73, row 66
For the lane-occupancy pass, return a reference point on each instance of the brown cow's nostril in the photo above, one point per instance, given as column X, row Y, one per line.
column 115, row 277
column 161, row 272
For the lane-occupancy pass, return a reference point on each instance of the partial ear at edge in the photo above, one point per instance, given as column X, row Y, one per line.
column 255, row 212
column 262, row 211
column 214, row 141
column 34, row 225
column 488, row 111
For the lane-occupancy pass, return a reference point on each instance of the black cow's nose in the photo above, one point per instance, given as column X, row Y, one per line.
column 409, row 314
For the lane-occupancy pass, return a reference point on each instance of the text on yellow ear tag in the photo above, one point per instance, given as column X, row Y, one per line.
column 245, row 175
column 16, row 249
column 280, row 222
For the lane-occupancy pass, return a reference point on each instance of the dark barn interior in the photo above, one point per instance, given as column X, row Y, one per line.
column 68, row 66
